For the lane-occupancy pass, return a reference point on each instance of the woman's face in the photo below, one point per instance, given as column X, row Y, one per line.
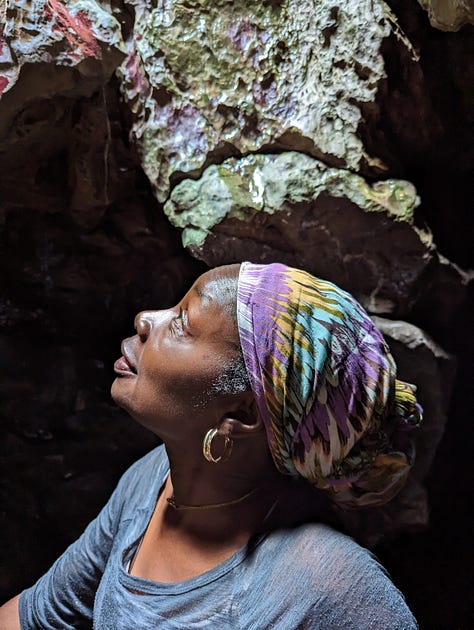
column 169, row 366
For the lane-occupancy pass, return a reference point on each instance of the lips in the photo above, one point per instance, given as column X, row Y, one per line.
column 124, row 365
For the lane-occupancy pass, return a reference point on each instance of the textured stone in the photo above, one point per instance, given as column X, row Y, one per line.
column 449, row 15
column 419, row 360
column 439, row 160
column 207, row 81
column 443, row 299
column 293, row 208
column 64, row 33
column 54, row 53
column 50, row 48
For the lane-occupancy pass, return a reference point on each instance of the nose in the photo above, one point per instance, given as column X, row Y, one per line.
column 142, row 325
column 146, row 321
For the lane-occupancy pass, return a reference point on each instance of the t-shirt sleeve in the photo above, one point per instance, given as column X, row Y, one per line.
column 64, row 596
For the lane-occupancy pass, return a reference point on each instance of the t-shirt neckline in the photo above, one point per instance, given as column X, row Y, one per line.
column 149, row 587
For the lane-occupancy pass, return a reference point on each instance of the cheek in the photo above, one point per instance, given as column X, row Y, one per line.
column 153, row 395
column 193, row 383
column 170, row 386
column 181, row 371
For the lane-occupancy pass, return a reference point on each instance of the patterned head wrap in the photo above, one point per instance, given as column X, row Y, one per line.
column 324, row 382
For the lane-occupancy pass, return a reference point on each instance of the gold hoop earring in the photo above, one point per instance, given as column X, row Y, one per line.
column 206, row 447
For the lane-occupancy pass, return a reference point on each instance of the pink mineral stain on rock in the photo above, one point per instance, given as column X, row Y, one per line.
column 135, row 75
column 3, row 84
column 242, row 34
column 131, row 62
column 76, row 29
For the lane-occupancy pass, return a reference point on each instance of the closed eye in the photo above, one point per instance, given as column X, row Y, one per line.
column 178, row 323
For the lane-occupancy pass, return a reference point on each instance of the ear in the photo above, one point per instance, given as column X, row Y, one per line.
column 243, row 422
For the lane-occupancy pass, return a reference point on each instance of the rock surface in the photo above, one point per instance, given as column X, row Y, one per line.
column 419, row 360
column 347, row 83
column 53, row 56
column 293, row 208
column 449, row 15
column 209, row 81
column 48, row 47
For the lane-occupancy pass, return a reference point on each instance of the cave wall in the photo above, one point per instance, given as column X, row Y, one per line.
column 141, row 142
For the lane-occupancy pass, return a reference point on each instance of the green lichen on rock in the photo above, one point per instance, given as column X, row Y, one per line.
column 275, row 183
column 292, row 208
column 210, row 80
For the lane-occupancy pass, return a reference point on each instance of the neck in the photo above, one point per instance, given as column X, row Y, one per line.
column 242, row 491
column 210, row 506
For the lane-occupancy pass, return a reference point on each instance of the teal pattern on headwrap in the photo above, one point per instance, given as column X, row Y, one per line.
column 324, row 382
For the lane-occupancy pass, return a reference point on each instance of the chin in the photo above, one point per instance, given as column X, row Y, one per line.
column 118, row 391
column 121, row 395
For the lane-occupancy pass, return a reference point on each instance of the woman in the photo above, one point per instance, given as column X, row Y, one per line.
column 260, row 380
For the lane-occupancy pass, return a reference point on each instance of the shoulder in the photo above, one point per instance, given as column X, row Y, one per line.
column 318, row 550
column 317, row 539
column 317, row 553
column 320, row 573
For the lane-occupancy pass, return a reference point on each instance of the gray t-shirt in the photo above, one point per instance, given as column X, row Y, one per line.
column 306, row 577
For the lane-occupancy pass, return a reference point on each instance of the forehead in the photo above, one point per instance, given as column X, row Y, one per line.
column 213, row 303
column 219, row 287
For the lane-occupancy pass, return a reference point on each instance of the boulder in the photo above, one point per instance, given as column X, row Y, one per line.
column 294, row 209
column 207, row 81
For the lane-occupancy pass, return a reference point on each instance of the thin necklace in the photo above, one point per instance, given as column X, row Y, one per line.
column 209, row 506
